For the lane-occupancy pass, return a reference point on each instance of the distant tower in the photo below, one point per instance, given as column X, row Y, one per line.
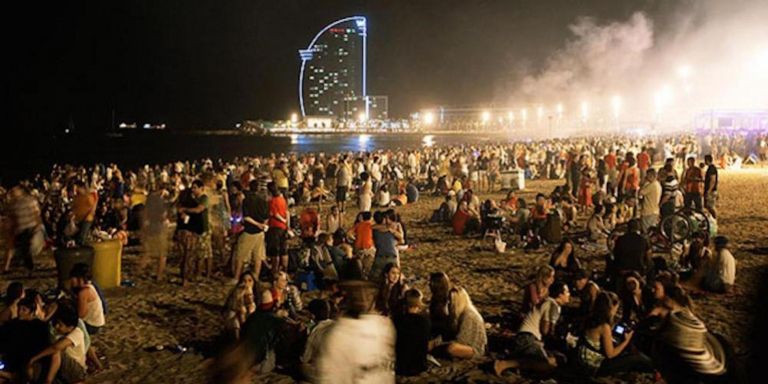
column 333, row 70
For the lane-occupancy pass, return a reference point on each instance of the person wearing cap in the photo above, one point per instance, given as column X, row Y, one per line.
column 413, row 329
column 719, row 273
column 684, row 351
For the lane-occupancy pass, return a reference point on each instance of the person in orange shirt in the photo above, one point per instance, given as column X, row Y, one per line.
column 643, row 162
column 362, row 232
column 610, row 165
column 693, row 181
column 84, row 210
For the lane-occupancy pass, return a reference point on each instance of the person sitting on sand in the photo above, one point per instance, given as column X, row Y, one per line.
column 240, row 303
column 631, row 252
column 412, row 343
column 586, row 291
column 334, row 220
column 471, row 339
column 286, row 297
column 596, row 227
column 439, row 306
column 564, row 260
column 685, row 351
column 89, row 302
column 528, row 345
column 391, row 291
column 383, row 199
column 443, row 214
column 537, row 291
column 13, row 294
column 634, row 301
column 465, row 220
column 596, row 352
column 68, row 353
column 318, row 331
column 22, row 338
column 719, row 274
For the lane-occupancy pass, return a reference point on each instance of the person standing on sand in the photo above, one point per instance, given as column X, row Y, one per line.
column 251, row 246
column 278, row 227
column 650, row 196
column 711, row 179
column 154, row 232
column 693, row 182
column 84, row 209
column 343, row 183
column 25, row 221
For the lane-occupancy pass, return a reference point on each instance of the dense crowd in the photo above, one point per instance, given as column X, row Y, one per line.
column 275, row 226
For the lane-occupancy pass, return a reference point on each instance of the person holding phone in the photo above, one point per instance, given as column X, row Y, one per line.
column 597, row 352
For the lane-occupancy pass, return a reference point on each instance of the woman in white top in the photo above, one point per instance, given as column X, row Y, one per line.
column 89, row 305
column 365, row 194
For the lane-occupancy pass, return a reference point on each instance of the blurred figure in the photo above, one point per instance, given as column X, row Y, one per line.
column 360, row 347
column 26, row 227
column 154, row 233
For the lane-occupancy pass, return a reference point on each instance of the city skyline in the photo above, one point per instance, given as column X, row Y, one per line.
column 204, row 66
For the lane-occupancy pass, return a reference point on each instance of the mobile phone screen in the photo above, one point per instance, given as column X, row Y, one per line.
column 619, row 329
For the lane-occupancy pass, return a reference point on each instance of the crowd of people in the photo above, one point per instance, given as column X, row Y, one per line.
column 274, row 226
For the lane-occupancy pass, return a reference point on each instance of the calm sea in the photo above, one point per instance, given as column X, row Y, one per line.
column 24, row 159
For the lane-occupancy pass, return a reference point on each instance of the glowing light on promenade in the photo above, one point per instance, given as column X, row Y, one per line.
column 363, row 117
column 294, row 118
column 661, row 100
column 511, row 116
column 539, row 113
column 294, row 139
column 524, row 115
column 584, row 110
column 616, row 106
column 559, row 110
column 485, row 116
column 429, row 118
column 428, row 140
column 684, row 71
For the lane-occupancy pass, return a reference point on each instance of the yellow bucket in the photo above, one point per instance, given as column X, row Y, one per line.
column 107, row 257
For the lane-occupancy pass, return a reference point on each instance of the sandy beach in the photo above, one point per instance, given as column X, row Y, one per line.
column 151, row 314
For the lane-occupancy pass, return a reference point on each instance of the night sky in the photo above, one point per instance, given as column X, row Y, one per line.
column 210, row 64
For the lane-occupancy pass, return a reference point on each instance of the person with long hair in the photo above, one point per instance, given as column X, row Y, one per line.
column 440, row 286
column 240, row 303
column 564, row 260
column 471, row 339
column 537, row 290
column 391, row 290
column 596, row 351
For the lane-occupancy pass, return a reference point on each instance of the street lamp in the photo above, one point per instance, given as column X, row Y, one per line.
column 429, row 118
column 584, row 111
column 485, row 116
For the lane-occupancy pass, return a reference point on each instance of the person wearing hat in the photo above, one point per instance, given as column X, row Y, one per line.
column 686, row 352
column 719, row 273
column 360, row 346
column 413, row 329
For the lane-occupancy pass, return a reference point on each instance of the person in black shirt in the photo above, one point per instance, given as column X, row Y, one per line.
column 23, row 338
column 632, row 252
column 250, row 245
column 411, row 345
column 710, row 186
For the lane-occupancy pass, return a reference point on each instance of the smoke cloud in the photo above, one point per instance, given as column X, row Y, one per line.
column 705, row 54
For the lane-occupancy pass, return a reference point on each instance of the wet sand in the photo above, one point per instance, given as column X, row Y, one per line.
column 151, row 313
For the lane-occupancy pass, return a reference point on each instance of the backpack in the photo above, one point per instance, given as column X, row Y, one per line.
column 553, row 229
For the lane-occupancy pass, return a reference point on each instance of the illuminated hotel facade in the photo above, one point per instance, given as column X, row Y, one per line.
column 333, row 71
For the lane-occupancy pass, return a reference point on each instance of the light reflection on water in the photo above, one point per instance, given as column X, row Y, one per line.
column 371, row 142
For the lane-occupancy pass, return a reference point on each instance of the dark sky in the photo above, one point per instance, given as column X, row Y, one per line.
column 209, row 64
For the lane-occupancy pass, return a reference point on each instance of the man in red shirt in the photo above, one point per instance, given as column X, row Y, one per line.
column 278, row 226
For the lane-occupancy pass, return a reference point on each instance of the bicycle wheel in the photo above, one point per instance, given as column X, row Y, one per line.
column 697, row 220
column 675, row 228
